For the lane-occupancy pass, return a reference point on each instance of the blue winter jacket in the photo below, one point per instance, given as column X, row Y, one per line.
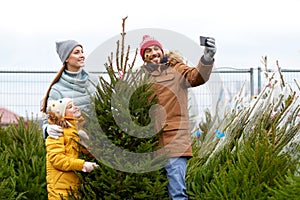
column 80, row 86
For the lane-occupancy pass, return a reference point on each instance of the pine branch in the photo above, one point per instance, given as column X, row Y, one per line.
column 298, row 86
column 123, row 40
column 280, row 73
column 117, row 56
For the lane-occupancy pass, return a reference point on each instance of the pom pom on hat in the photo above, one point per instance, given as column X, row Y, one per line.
column 147, row 42
column 64, row 48
column 59, row 106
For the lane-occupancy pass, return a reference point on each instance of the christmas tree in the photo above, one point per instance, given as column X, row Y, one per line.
column 121, row 137
column 249, row 153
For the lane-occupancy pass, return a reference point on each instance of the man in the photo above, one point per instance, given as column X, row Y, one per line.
column 172, row 78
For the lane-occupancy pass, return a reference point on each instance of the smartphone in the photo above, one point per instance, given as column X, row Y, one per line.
column 203, row 41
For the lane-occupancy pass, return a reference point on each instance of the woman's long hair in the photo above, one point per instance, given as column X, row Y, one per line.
column 45, row 99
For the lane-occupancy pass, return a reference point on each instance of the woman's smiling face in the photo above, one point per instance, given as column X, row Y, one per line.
column 76, row 59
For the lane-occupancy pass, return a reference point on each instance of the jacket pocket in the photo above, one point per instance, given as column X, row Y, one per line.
column 66, row 179
column 57, row 177
column 176, row 125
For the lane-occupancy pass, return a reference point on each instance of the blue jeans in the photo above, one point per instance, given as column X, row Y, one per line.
column 176, row 170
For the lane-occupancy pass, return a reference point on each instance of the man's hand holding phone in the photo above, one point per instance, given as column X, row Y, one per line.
column 209, row 47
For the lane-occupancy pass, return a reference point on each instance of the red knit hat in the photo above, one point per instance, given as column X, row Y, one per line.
column 147, row 42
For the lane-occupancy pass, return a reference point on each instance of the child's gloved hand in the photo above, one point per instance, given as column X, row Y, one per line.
column 54, row 131
column 89, row 166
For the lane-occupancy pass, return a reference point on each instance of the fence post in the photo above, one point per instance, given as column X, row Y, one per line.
column 258, row 80
column 251, row 82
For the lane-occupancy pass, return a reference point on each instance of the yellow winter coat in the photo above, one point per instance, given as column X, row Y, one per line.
column 62, row 161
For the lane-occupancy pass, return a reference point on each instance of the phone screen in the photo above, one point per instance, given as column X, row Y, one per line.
column 203, row 41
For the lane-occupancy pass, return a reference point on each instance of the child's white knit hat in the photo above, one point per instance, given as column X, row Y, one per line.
column 59, row 106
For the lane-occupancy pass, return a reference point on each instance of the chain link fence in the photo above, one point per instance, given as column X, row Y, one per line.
column 22, row 91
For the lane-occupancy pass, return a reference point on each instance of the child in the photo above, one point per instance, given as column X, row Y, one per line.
column 62, row 153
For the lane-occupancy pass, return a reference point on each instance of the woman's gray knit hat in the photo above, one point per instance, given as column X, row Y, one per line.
column 64, row 48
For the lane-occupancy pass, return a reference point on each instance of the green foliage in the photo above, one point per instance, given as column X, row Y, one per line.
column 107, row 183
column 122, row 139
column 7, row 178
column 287, row 187
column 240, row 174
column 22, row 162
column 258, row 156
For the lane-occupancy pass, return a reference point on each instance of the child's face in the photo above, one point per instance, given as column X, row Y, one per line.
column 72, row 110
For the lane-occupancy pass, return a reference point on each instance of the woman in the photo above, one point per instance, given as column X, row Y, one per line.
column 71, row 81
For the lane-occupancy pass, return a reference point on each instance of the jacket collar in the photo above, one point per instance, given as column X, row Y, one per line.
column 163, row 65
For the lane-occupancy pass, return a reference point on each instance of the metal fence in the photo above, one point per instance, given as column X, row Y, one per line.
column 22, row 91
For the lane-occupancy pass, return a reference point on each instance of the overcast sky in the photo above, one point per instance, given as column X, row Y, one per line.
column 244, row 30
